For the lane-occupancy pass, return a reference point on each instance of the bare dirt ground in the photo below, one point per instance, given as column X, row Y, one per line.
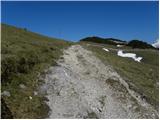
column 81, row 86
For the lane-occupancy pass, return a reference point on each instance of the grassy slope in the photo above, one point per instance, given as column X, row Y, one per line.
column 142, row 77
column 24, row 56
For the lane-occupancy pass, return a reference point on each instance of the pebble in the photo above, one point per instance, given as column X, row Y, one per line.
column 30, row 97
column 129, row 106
column 35, row 93
column 135, row 107
column 22, row 86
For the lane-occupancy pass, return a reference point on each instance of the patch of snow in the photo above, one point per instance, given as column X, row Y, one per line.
column 138, row 59
column 106, row 49
column 156, row 44
column 129, row 55
column 119, row 42
column 119, row 45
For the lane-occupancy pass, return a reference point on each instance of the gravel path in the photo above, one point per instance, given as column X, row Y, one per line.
column 81, row 86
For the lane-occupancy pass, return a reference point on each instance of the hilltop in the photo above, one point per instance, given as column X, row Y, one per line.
column 112, row 41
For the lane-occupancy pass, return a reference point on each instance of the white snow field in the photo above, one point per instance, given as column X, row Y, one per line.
column 129, row 55
column 106, row 49
column 119, row 45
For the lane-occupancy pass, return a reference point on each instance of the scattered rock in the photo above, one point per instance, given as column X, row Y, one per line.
column 22, row 86
column 135, row 107
column 35, row 93
column 30, row 97
column 6, row 93
column 129, row 106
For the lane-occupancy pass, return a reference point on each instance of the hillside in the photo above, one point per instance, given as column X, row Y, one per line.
column 24, row 55
column 142, row 77
column 140, row 44
column 45, row 77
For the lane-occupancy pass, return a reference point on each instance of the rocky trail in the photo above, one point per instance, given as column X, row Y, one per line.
column 81, row 86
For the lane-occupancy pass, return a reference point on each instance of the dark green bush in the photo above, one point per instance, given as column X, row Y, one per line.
column 28, row 61
column 25, row 62
column 139, row 44
column 6, row 113
column 23, row 65
column 9, row 67
column 5, row 50
column 110, row 41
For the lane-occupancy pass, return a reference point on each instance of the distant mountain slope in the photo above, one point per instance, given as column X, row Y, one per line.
column 111, row 41
column 139, row 44
column 24, row 56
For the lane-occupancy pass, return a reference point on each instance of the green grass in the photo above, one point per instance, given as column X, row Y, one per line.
column 142, row 77
column 24, row 55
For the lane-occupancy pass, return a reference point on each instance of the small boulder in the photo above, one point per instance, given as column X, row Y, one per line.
column 129, row 106
column 35, row 93
column 22, row 86
column 30, row 97
column 6, row 93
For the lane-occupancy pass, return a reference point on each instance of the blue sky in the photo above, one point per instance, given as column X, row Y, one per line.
column 76, row 20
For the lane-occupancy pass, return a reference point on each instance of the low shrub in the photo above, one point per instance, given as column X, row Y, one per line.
column 139, row 44
column 9, row 67
column 6, row 113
